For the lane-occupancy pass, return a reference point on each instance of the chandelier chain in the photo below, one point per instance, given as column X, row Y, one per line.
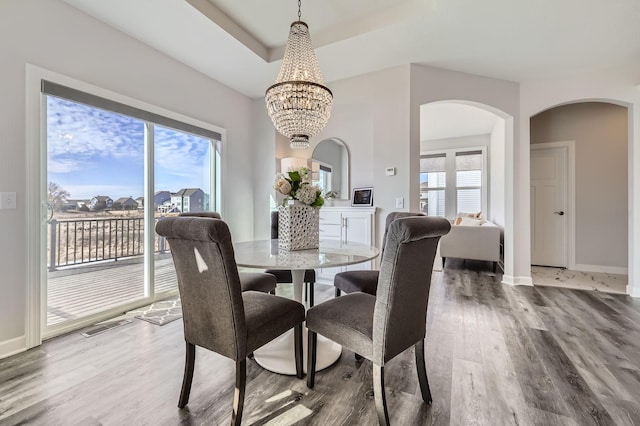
column 299, row 6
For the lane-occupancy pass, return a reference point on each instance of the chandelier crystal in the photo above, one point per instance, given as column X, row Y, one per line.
column 299, row 103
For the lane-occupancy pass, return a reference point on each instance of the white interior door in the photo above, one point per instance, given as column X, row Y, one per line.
column 549, row 206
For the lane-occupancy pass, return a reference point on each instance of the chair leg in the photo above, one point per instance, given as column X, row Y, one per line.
column 379, row 396
column 337, row 292
column 311, row 294
column 306, row 292
column 311, row 358
column 297, row 334
column 189, row 363
column 238, row 396
column 422, row 372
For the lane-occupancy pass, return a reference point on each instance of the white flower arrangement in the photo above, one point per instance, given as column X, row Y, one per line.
column 296, row 185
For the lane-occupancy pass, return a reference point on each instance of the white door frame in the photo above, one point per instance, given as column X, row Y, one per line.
column 35, row 291
column 571, row 194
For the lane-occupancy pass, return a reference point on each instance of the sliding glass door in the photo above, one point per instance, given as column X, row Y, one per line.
column 111, row 172
column 95, row 233
column 184, row 181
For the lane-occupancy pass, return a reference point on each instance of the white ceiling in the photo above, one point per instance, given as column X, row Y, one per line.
column 452, row 120
column 239, row 42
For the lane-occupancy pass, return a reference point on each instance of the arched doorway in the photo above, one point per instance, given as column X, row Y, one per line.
column 579, row 203
column 467, row 140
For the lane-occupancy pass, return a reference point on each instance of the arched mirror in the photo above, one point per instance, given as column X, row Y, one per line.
column 330, row 168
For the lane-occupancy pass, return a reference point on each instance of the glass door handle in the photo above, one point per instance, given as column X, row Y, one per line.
column 47, row 212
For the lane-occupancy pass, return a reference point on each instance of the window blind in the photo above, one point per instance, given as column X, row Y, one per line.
column 58, row 90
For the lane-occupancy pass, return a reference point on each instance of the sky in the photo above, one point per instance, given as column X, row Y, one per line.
column 96, row 152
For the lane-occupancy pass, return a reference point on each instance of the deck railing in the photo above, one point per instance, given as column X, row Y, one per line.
column 74, row 242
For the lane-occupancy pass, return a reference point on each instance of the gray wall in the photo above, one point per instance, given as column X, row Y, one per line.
column 600, row 133
column 53, row 35
column 502, row 98
column 377, row 116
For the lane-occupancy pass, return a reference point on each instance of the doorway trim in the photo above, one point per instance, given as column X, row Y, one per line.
column 571, row 194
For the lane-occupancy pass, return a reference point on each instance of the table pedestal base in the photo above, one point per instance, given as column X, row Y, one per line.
column 278, row 355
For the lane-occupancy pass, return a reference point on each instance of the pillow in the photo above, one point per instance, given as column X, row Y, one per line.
column 470, row 221
column 462, row 215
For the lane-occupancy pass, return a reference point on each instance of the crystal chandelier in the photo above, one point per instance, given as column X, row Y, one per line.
column 299, row 103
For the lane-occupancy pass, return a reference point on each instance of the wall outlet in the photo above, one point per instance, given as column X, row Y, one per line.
column 399, row 203
column 7, row 200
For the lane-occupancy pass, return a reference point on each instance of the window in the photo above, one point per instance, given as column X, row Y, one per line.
column 469, row 181
column 324, row 178
column 433, row 178
column 104, row 158
column 453, row 181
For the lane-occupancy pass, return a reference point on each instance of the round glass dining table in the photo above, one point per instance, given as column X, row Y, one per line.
column 278, row 355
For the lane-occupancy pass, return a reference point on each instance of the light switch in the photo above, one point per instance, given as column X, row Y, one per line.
column 7, row 200
column 390, row 171
column 399, row 203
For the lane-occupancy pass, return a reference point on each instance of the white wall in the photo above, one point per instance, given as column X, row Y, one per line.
column 455, row 143
column 57, row 37
column 497, row 96
column 497, row 174
column 617, row 85
column 600, row 132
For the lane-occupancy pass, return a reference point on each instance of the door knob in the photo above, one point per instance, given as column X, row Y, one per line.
column 560, row 213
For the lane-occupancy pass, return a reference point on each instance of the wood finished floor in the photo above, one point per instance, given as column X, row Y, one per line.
column 495, row 355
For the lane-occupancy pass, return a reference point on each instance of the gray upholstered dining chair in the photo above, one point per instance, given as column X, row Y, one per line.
column 256, row 281
column 382, row 326
column 284, row 275
column 366, row 281
column 217, row 315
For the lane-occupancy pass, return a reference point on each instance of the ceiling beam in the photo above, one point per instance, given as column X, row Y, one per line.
column 220, row 19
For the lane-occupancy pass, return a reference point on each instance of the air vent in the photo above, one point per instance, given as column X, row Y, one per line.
column 101, row 328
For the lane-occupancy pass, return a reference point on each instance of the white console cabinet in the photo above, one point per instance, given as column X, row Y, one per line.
column 355, row 224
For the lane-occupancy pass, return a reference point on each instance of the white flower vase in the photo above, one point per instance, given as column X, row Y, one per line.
column 298, row 226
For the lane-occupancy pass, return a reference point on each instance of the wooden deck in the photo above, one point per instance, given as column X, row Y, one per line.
column 83, row 290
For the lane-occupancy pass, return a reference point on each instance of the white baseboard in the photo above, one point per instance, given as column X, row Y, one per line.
column 514, row 281
column 602, row 269
column 633, row 292
column 13, row 346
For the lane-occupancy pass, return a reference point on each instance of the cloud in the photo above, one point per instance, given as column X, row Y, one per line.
column 63, row 165
column 78, row 134
column 85, row 141
column 180, row 154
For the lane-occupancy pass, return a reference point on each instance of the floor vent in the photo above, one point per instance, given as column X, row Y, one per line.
column 101, row 328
